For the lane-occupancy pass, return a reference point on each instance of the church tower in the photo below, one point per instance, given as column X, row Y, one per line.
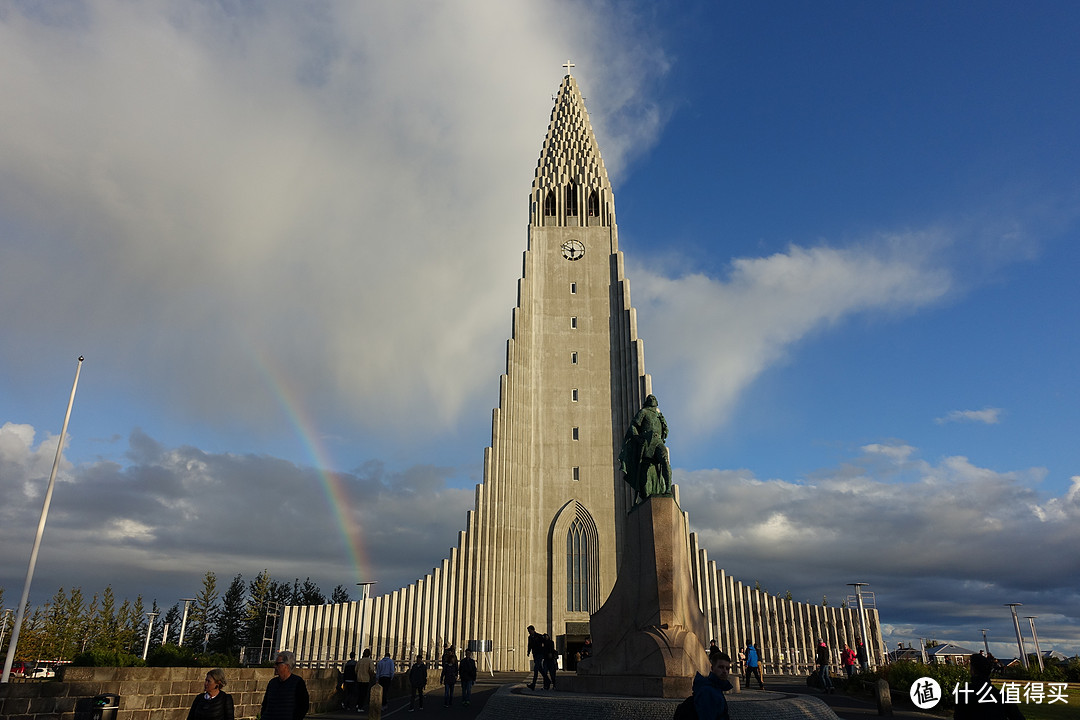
column 574, row 379
column 543, row 542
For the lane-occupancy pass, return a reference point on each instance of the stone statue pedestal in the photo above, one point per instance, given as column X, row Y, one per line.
column 649, row 636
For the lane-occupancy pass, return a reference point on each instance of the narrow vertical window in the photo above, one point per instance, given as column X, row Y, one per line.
column 573, row 395
column 573, row 288
column 573, row 323
column 594, row 204
column 577, row 567
column 549, row 203
column 571, row 198
column 575, row 433
column 573, row 358
column 577, row 473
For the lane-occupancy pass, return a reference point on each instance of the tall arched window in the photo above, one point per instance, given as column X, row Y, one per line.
column 571, row 199
column 549, row 203
column 577, row 567
column 594, row 204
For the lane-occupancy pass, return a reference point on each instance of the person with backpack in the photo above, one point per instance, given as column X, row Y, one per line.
column 417, row 681
column 467, row 670
column 449, row 675
column 708, row 701
column 753, row 666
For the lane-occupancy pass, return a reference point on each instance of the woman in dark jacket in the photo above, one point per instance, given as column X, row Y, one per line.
column 449, row 675
column 213, row 703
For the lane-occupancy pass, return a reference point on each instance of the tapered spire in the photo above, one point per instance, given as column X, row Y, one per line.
column 571, row 180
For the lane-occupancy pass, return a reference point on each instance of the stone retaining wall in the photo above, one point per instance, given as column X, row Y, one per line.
column 149, row 693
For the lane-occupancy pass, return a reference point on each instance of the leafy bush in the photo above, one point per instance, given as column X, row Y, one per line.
column 170, row 655
column 903, row 674
column 107, row 658
column 1054, row 672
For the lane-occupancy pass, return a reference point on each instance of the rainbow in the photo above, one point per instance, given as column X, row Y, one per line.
column 332, row 485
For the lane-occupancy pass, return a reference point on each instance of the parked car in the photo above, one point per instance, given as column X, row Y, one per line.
column 41, row 672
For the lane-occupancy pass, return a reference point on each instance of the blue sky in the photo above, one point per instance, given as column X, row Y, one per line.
column 287, row 241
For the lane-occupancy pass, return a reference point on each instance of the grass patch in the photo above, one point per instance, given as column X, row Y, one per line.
column 1044, row 711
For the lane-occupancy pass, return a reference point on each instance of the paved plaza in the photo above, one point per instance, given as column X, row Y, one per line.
column 506, row 696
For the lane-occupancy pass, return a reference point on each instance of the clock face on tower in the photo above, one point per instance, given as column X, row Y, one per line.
column 573, row 250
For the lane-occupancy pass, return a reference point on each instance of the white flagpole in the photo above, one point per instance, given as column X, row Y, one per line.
column 21, row 609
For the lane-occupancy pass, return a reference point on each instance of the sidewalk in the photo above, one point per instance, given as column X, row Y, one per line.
column 847, row 707
column 504, row 696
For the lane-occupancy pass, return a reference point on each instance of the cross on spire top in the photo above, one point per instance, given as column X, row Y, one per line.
column 568, row 65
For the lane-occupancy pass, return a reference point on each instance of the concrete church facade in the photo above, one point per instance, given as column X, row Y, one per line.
column 542, row 544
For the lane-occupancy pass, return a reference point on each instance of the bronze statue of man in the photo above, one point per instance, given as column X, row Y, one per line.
column 644, row 457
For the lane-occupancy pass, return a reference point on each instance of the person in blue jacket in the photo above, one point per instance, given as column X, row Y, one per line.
column 753, row 666
column 709, row 700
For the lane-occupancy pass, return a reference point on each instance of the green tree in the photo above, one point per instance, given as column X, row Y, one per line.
column 5, row 622
column 125, row 629
column 173, row 618
column 310, row 594
column 204, row 613
column 259, row 592
column 32, row 637
column 54, row 626
column 230, row 622
column 105, row 625
column 75, row 611
column 131, row 621
column 89, row 625
column 339, row 595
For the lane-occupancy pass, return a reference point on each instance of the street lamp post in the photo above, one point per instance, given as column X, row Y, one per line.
column 862, row 624
column 1035, row 637
column 986, row 647
column 183, row 623
column 149, row 629
column 1019, row 638
column 365, row 589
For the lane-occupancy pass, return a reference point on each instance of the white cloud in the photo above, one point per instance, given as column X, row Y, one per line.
column 942, row 545
column 989, row 416
column 898, row 453
column 710, row 338
column 224, row 206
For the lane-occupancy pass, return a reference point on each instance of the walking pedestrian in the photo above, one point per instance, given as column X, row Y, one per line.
column 467, row 671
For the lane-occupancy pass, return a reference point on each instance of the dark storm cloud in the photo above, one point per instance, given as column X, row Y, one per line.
column 183, row 511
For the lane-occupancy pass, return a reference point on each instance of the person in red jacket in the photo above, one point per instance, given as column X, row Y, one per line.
column 848, row 658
